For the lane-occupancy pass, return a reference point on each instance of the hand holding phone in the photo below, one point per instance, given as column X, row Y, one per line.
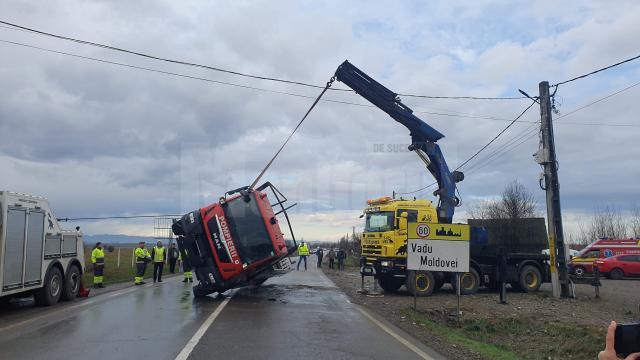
column 627, row 340
column 623, row 344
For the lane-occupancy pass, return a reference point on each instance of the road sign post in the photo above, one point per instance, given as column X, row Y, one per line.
column 439, row 248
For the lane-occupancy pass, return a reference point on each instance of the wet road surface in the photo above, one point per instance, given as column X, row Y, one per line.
column 299, row 315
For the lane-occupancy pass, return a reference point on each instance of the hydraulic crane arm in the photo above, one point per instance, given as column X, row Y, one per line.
column 423, row 136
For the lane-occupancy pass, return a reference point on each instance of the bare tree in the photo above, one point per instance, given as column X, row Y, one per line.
column 516, row 202
column 605, row 222
column 635, row 222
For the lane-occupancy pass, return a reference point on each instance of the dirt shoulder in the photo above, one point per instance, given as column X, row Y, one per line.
column 530, row 326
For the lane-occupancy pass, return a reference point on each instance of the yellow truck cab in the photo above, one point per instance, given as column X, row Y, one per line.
column 384, row 244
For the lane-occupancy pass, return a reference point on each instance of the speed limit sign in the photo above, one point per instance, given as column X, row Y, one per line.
column 423, row 230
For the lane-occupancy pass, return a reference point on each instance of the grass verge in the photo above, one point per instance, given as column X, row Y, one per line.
column 515, row 338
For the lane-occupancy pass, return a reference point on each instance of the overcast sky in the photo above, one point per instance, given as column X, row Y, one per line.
column 99, row 139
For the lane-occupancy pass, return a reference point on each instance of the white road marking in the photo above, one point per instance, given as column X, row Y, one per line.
column 395, row 335
column 188, row 348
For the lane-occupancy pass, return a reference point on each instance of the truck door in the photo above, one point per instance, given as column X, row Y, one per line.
column 412, row 216
column 635, row 264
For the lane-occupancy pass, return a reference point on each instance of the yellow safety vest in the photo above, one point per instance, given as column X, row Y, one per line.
column 97, row 256
column 303, row 250
column 158, row 254
column 141, row 254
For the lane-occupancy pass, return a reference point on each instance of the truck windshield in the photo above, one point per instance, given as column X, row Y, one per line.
column 248, row 230
column 378, row 222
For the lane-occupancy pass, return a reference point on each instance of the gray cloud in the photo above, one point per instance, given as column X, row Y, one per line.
column 99, row 139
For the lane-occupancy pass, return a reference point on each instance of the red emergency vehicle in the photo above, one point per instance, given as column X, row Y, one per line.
column 236, row 241
column 600, row 249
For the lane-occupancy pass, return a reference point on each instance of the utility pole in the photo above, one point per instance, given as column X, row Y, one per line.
column 547, row 158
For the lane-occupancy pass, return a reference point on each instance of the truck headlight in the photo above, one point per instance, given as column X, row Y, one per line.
column 386, row 263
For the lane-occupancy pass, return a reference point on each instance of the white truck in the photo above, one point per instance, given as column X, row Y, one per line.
column 36, row 256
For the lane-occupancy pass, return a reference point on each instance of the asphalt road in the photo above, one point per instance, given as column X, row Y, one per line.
column 298, row 315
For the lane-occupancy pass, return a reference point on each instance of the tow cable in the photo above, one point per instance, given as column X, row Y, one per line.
column 293, row 132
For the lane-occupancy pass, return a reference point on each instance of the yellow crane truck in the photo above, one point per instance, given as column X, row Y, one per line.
column 384, row 249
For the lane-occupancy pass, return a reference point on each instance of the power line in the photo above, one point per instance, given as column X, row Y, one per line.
column 598, row 100
column 465, row 97
column 418, row 111
column 180, row 62
column 232, row 72
column 597, row 71
column 118, row 217
column 233, row 84
column 479, row 151
column 497, row 136
column 530, row 133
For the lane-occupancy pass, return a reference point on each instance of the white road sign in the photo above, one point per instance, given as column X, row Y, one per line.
column 438, row 255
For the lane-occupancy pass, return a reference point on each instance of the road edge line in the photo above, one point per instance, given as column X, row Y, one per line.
column 394, row 334
column 195, row 339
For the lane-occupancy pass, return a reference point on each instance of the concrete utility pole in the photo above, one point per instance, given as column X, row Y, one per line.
column 547, row 158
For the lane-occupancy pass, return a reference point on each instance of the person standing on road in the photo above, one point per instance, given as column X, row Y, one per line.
column 341, row 256
column 174, row 255
column 186, row 266
column 332, row 258
column 159, row 256
column 303, row 252
column 142, row 258
column 97, row 259
column 320, row 254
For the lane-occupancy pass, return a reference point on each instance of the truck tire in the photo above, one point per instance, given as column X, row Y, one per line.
column 390, row 284
column 420, row 283
column 72, row 281
column 469, row 281
column 616, row 274
column 530, row 279
column 50, row 293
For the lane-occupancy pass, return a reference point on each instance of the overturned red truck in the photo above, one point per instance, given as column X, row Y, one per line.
column 236, row 241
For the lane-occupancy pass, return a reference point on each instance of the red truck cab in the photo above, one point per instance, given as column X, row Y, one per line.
column 236, row 241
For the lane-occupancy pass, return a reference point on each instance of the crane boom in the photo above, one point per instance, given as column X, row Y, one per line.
column 423, row 136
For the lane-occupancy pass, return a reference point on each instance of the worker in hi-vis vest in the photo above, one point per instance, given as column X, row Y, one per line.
column 97, row 259
column 303, row 251
column 186, row 264
column 142, row 258
column 186, row 267
column 159, row 256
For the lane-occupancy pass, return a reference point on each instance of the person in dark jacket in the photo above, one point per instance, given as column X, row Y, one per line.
column 319, row 254
column 332, row 258
column 174, row 254
column 341, row 255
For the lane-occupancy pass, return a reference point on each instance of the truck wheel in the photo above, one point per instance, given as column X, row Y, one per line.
column 616, row 274
column 71, row 283
column 50, row 293
column 390, row 284
column 530, row 279
column 469, row 281
column 579, row 271
column 420, row 283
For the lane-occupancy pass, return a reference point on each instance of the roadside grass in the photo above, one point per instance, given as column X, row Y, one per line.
column 516, row 338
column 113, row 274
